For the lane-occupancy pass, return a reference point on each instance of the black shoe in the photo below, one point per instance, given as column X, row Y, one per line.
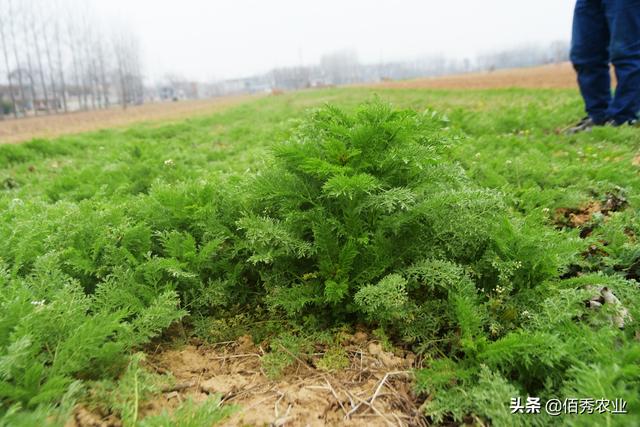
column 584, row 125
column 631, row 122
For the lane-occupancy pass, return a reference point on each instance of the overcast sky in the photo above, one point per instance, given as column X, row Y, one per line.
column 205, row 39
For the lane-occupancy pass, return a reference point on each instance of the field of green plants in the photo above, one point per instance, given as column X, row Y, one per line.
column 458, row 224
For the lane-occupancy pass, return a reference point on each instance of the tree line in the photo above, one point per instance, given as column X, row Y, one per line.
column 343, row 67
column 58, row 56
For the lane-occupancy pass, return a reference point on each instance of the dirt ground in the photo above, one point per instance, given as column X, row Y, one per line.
column 554, row 76
column 23, row 129
column 375, row 389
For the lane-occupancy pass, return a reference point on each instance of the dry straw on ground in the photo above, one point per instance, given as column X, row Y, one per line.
column 374, row 390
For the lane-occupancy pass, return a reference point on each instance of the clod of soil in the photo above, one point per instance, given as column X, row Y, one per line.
column 577, row 217
column 584, row 216
column 82, row 417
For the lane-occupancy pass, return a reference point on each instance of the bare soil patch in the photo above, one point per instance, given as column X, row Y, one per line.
column 554, row 76
column 583, row 216
column 23, row 129
column 374, row 390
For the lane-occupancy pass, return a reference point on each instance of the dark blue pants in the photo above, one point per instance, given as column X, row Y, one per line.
column 604, row 32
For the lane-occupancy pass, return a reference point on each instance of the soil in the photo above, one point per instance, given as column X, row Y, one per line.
column 577, row 217
column 584, row 216
column 374, row 390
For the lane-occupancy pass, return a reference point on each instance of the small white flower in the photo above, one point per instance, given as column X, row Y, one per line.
column 38, row 303
column 169, row 162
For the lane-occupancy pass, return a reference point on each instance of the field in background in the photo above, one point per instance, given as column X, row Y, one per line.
column 554, row 76
column 550, row 76
column 12, row 130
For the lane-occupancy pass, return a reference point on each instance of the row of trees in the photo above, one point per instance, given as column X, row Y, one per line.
column 343, row 67
column 59, row 56
column 525, row 56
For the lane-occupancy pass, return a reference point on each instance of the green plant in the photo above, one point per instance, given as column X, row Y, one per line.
column 52, row 333
column 191, row 414
column 286, row 350
column 334, row 359
column 124, row 397
column 446, row 228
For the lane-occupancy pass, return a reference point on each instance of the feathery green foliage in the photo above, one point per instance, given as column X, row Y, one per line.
column 440, row 232
column 354, row 201
column 191, row 414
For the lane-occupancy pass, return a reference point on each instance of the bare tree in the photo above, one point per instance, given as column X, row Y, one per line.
column 47, row 35
column 12, row 13
column 126, row 52
column 53, row 50
column 121, row 66
column 30, row 71
column 101, row 53
column 340, row 66
column 5, row 54
column 73, row 47
column 36, row 27
column 57, row 37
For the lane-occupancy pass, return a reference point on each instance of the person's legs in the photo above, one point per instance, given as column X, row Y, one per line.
column 623, row 17
column 590, row 57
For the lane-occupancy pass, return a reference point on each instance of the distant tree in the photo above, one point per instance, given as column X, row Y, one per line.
column 25, row 30
column 127, row 55
column 341, row 66
column 102, row 73
column 52, row 50
column 559, row 51
column 12, row 13
column 57, row 39
column 46, row 36
column 5, row 54
column 35, row 27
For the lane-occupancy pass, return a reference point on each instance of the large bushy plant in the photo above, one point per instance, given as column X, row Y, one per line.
column 362, row 217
